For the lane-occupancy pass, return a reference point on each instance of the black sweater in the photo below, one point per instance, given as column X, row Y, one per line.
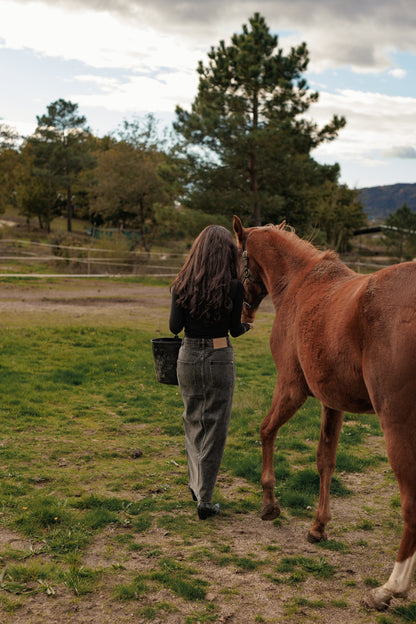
column 195, row 328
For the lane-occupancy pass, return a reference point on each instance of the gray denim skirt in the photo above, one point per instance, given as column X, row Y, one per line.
column 206, row 379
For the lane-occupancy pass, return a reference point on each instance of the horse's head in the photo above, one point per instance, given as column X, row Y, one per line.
column 254, row 289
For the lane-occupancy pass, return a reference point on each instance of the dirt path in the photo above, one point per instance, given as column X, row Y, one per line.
column 78, row 301
column 96, row 301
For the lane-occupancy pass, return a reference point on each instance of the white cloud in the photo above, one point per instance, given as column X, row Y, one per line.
column 140, row 93
column 375, row 122
column 400, row 151
column 398, row 73
column 360, row 34
column 95, row 38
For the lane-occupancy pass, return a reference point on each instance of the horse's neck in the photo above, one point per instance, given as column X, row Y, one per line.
column 288, row 260
column 288, row 254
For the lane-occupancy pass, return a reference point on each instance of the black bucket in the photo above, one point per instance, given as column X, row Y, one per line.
column 165, row 356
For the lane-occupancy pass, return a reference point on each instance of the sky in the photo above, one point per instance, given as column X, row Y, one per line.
column 122, row 59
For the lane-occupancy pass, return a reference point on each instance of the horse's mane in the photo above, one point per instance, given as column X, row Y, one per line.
column 304, row 245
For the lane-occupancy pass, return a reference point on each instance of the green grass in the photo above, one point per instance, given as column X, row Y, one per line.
column 298, row 568
column 181, row 579
column 131, row 591
column 93, row 477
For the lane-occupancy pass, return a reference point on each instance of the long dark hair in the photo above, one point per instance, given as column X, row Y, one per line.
column 202, row 286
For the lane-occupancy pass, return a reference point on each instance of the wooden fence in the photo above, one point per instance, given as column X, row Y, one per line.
column 83, row 261
column 90, row 261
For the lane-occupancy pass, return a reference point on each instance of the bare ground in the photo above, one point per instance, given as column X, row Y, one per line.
column 240, row 596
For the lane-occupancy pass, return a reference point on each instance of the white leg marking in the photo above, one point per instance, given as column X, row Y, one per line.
column 398, row 584
column 402, row 576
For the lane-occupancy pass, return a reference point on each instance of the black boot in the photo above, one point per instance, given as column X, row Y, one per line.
column 205, row 510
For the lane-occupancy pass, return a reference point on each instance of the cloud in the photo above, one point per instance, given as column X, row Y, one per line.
column 376, row 123
column 400, row 151
column 361, row 34
column 138, row 94
column 93, row 37
column 397, row 72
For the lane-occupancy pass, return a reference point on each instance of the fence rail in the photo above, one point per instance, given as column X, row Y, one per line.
column 85, row 261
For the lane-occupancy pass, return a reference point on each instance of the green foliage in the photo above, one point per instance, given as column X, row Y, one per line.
column 60, row 151
column 36, row 190
column 401, row 239
column 128, row 185
column 337, row 213
column 136, row 181
column 9, row 166
column 182, row 223
column 249, row 114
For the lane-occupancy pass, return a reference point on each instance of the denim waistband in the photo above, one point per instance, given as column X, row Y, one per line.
column 202, row 342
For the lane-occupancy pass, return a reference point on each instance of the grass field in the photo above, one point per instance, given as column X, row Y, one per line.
column 96, row 521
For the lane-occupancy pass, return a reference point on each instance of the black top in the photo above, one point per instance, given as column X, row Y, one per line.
column 195, row 328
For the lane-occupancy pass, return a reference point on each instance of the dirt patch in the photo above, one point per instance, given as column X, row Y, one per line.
column 89, row 302
column 79, row 301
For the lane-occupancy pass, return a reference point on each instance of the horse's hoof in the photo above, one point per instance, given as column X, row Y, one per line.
column 314, row 536
column 270, row 511
column 377, row 598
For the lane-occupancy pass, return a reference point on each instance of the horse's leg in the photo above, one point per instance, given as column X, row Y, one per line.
column 325, row 460
column 287, row 399
column 400, row 442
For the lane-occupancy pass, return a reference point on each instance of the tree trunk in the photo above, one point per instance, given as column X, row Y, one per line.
column 69, row 209
column 253, row 164
column 254, row 189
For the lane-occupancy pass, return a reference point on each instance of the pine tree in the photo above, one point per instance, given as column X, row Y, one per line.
column 62, row 149
column 248, row 118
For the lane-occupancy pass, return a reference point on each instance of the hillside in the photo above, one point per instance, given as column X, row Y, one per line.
column 380, row 201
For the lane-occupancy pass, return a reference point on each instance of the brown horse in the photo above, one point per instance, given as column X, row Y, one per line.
column 350, row 341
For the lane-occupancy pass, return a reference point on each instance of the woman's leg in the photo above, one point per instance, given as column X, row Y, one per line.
column 219, row 382
column 206, row 379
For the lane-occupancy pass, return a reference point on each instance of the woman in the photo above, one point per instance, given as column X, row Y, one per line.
column 207, row 298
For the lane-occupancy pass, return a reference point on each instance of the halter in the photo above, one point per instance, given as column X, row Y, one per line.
column 247, row 275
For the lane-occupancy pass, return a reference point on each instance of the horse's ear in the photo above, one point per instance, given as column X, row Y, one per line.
column 238, row 228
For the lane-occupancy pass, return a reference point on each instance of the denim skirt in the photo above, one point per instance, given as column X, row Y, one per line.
column 206, row 377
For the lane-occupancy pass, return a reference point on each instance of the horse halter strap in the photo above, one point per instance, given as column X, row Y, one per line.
column 247, row 275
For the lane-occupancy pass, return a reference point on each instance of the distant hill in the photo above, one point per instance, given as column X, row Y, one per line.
column 380, row 201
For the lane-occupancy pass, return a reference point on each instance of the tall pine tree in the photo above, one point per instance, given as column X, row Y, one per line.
column 248, row 118
column 62, row 150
